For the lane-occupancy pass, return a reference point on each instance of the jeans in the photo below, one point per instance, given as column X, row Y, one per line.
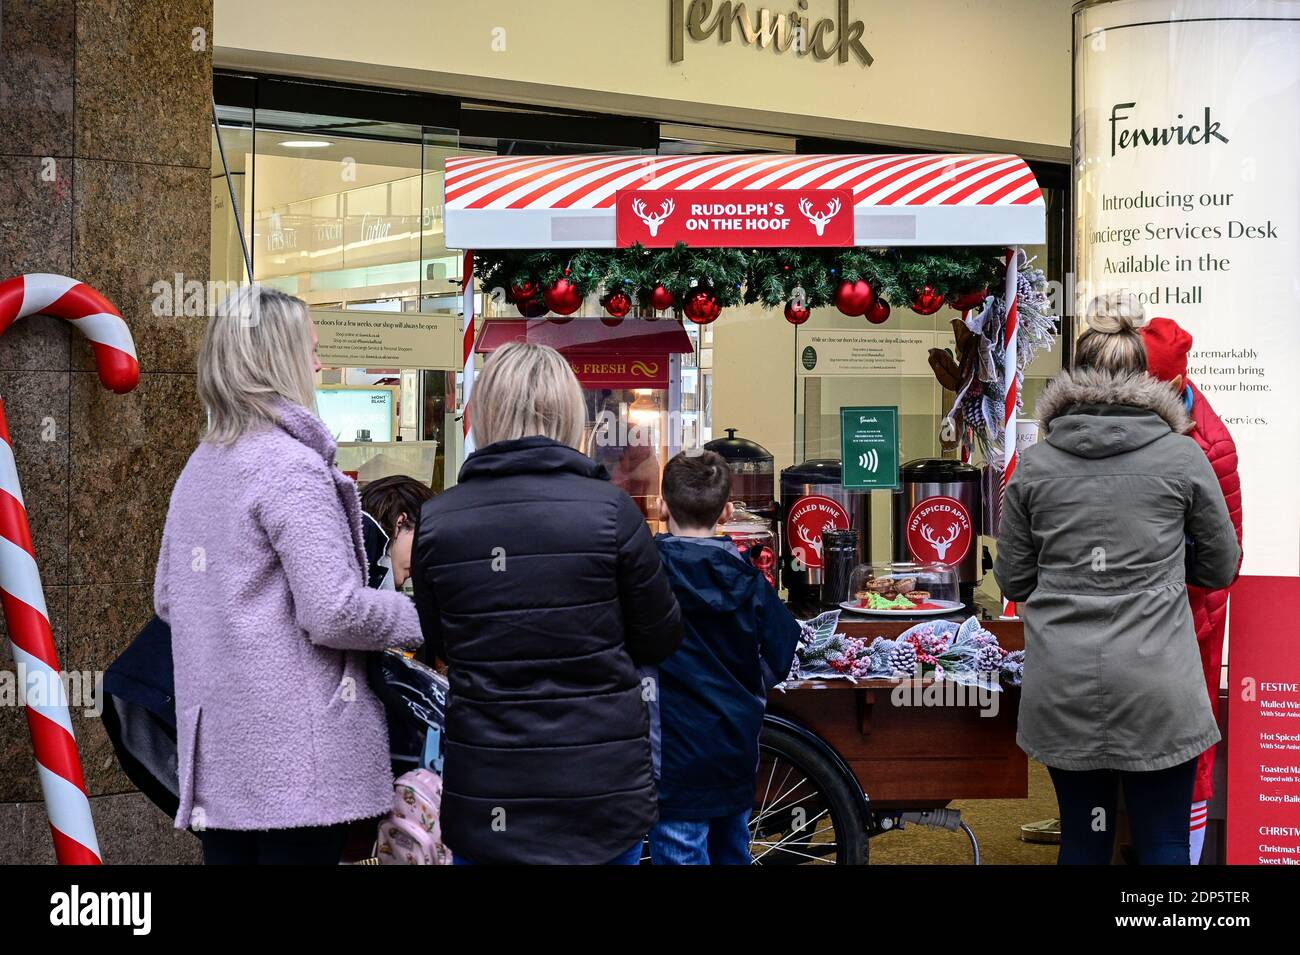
column 1157, row 809
column 309, row 845
column 720, row 841
column 630, row 857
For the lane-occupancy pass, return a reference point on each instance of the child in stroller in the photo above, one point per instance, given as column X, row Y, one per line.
column 414, row 695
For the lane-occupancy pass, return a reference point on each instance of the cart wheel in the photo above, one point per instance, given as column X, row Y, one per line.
column 805, row 811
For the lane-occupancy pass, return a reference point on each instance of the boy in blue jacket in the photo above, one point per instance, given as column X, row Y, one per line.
column 739, row 641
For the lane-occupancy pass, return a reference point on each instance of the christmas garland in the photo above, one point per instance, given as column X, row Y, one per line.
column 770, row 277
column 700, row 282
column 941, row 650
column 973, row 370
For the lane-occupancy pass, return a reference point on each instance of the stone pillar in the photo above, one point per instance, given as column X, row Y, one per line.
column 105, row 160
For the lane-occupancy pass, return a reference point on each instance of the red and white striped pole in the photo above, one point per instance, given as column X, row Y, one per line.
column 1010, row 389
column 468, row 348
column 57, row 761
column 965, row 428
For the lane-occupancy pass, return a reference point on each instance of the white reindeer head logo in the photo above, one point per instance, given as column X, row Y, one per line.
column 806, row 537
column 819, row 219
column 940, row 545
column 653, row 220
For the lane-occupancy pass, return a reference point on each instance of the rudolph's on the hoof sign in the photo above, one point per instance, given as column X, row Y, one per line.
column 746, row 218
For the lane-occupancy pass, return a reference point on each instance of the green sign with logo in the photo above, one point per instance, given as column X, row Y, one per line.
column 869, row 448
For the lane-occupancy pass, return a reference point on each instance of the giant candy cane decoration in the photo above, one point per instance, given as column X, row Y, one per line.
column 57, row 761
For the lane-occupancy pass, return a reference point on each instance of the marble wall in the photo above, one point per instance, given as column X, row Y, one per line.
column 105, row 131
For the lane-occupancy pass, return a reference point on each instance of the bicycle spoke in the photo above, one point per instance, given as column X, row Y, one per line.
column 820, row 859
column 801, row 781
column 791, row 836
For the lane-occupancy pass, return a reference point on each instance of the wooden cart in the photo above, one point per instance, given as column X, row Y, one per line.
column 841, row 763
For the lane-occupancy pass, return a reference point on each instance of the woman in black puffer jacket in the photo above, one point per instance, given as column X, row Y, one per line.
column 539, row 583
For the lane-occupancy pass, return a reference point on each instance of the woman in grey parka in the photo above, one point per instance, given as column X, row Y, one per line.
column 1104, row 524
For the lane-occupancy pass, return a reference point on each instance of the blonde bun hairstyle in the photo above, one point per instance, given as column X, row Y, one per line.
column 1112, row 314
column 1112, row 342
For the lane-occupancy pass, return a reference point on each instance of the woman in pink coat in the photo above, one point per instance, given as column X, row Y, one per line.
column 1168, row 345
column 262, row 577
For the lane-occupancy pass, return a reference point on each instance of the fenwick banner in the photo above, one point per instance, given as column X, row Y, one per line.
column 1187, row 195
column 734, row 217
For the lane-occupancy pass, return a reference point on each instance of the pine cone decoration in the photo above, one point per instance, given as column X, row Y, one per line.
column 902, row 659
column 972, row 407
column 988, row 659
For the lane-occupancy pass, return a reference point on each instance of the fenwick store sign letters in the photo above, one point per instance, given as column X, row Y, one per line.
column 660, row 218
column 824, row 38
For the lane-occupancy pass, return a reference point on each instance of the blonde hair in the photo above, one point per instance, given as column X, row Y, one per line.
column 1112, row 341
column 257, row 351
column 524, row 390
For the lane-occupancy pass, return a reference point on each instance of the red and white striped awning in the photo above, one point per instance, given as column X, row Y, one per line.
column 554, row 202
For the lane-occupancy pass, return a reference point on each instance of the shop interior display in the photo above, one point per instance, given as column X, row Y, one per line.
column 902, row 588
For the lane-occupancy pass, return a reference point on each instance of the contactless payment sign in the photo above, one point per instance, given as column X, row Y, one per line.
column 939, row 531
column 869, row 447
column 810, row 516
column 660, row 218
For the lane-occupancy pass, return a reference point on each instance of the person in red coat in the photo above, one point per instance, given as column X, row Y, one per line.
column 1168, row 345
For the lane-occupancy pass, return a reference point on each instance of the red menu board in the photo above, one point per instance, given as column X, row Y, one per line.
column 1264, row 722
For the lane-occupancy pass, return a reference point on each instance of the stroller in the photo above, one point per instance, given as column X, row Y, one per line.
column 140, row 712
column 415, row 698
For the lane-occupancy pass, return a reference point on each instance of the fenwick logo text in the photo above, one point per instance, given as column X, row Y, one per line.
column 824, row 39
column 1177, row 134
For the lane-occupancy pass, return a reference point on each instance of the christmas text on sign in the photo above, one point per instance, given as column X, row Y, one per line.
column 795, row 30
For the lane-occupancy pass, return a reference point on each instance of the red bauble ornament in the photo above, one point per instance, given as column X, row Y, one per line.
column 969, row 300
column 878, row 313
column 796, row 314
column 926, row 301
column 854, row 298
column 523, row 292
column 563, row 297
column 661, row 298
column 530, row 308
column 618, row 304
column 702, row 307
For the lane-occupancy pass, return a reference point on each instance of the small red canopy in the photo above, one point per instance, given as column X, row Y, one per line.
column 631, row 354
column 588, row 336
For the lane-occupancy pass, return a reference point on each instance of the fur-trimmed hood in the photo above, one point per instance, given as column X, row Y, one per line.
column 1093, row 386
column 1094, row 413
